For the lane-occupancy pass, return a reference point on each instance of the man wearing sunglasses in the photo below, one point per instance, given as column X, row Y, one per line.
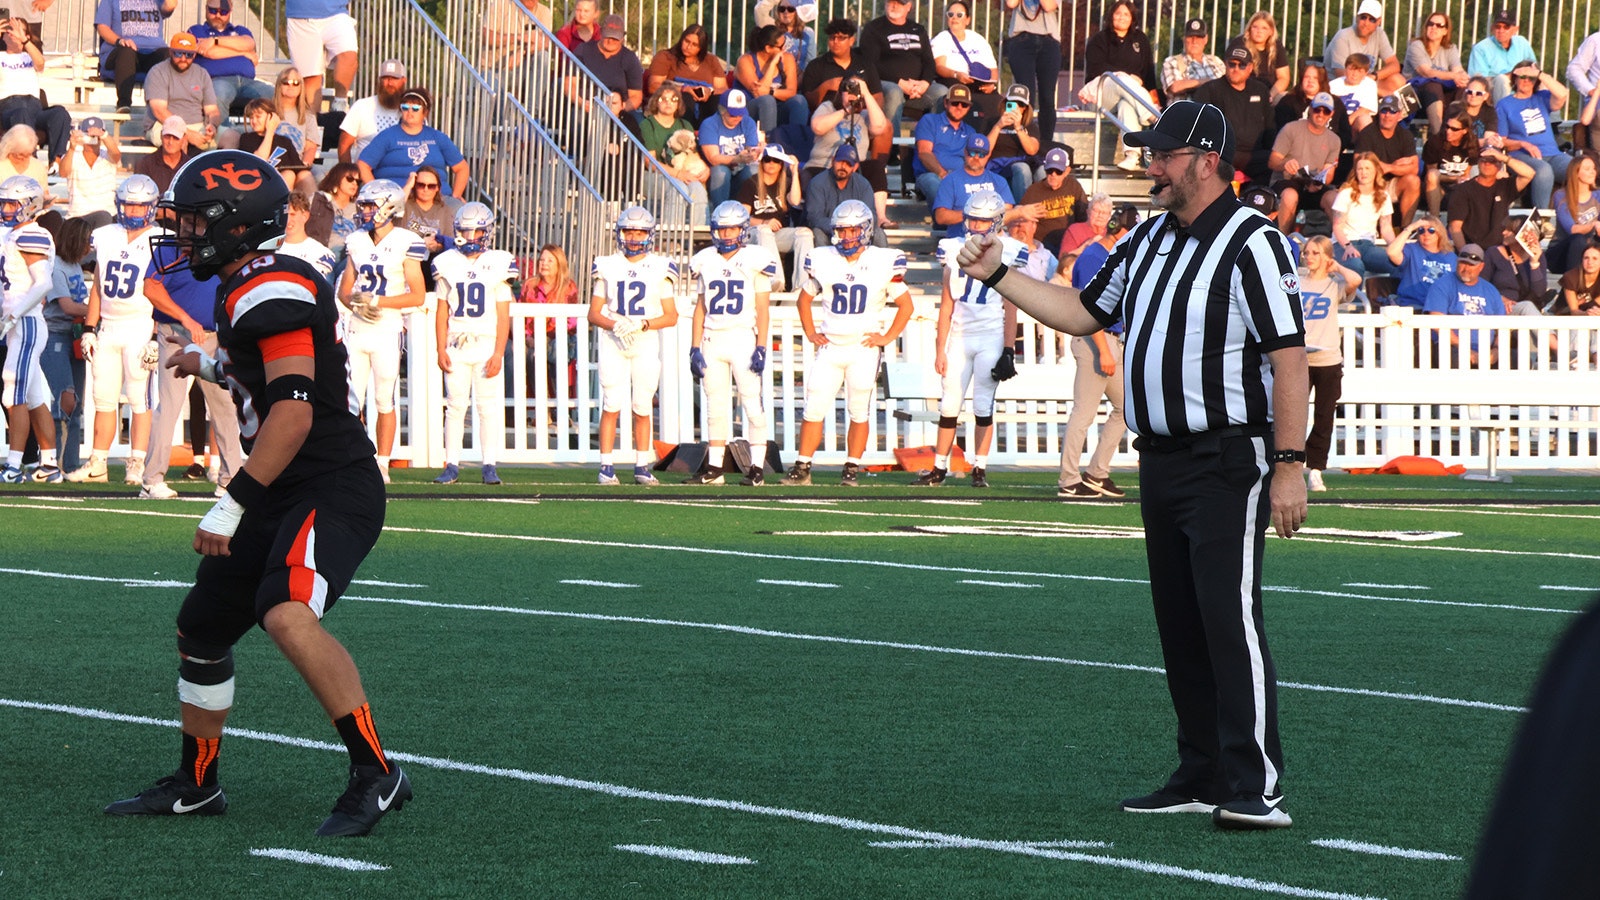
column 228, row 54
column 1247, row 102
column 1367, row 37
column 1496, row 55
column 178, row 87
column 1304, row 156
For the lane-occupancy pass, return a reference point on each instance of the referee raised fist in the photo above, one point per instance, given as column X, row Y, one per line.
column 980, row 256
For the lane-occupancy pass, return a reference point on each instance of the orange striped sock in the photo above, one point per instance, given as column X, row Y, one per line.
column 200, row 759
column 361, row 738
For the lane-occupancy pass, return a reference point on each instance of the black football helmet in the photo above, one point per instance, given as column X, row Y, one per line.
column 221, row 205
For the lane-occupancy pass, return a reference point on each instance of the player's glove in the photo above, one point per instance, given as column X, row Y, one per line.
column 7, row 323
column 88, row 342
column 697, row 363
column 150, row 356
column 626, row 331
column 758, row 360
column 366, row 306
column 1006, row 366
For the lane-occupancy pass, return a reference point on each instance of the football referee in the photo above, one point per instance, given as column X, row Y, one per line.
column 1216, row 387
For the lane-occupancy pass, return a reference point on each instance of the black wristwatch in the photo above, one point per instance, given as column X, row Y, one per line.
column 1287, row 456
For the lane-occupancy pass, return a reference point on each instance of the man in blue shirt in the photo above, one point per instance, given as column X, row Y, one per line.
column 1496, row 55
column 228, row 53
column 1525, row 124
column 731, row 144
column 828, row 189
column 1465, row 294
column 950, row 199
column 941, row 141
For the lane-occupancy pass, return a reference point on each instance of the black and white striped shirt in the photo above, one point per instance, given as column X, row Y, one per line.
column 1202, row 307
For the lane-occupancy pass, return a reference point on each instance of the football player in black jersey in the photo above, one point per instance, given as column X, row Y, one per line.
column 283, row 542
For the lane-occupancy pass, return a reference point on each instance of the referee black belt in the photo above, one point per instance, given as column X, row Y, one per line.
column 1163, row 443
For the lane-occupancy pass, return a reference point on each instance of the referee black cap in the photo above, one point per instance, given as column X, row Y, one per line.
column 1187, row 123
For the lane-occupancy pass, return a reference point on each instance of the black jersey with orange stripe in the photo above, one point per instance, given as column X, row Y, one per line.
column 281, row 306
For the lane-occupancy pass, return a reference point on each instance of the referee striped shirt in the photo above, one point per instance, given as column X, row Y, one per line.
column 1202, row 307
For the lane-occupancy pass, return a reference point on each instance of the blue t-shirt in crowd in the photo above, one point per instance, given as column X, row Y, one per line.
column 1451, row 297
column 315, row 9
column 1419, row 269
column 956, row 187
column 227, row 66
column 394, row 155
column 949, row 141
column 730, row 140
column 137, row 20
column 1528, row 119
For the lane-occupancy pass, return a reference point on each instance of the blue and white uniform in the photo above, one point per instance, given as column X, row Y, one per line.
column 473, row 291
column 728, row 288
column 633, row 289
column 24, row 382
column 977, row 329
column 374, row 347
column 851, row 297
column 122, row 260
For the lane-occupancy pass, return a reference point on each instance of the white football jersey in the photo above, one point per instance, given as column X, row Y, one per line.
column 121, row 265
column 979, row 308
column 472, row 286
column 635, row 289
column 852, row 295
column 15, row 278
column 730, row 286
column 312, row 251
column 380, row 269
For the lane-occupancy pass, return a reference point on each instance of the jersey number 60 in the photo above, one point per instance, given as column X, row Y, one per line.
column 849, row 299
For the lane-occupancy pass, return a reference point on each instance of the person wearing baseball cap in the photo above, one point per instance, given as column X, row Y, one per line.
column 828, row 187
column 950, row 201
column 941, row 141
column 616, row 66
column 1396, row 149
column 1014, row 139
column 1246, row 101
column 1182, row 72
column 1496, row 55
column 1366, row 37
column 180, row 87
column 731, row 144
column 91, row 169
column 170, row 156
column 1465, row 292
column 1305, row 154
column 371, row 114
column 1057, row 199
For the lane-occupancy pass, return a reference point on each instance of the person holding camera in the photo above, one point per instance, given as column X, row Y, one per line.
column 1304, row 156
column 852, row 116
column 90, row 169
column 1015, row 140
column 21, row 61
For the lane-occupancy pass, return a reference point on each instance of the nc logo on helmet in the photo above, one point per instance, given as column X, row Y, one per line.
column 246, row 180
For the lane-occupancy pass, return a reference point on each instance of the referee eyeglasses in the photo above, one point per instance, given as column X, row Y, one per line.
column 1164, row 158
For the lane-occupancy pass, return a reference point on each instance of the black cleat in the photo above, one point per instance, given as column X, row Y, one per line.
column 931, row 478
column 851, row 477
column 172, row 796
column 980, row 479
column 754, row 478
column 372, row 793
column 709, row 476
column 799, row 473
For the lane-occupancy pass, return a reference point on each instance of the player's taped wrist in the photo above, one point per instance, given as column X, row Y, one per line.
column 223, row 519
column 209, row 370
column 246, row 490
column 994, row 278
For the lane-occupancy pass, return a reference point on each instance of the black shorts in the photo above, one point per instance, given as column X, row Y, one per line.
column 302, row 546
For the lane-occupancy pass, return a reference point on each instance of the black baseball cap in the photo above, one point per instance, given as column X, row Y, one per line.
column 1188, row 123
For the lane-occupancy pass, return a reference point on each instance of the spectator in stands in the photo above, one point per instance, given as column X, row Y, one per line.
column 1097, row 357
column 264, row 139
column 962, row 56
column 941, row 141
column 1269, row 59
column 731, row 144
column 699, row 73
column 1368, row 38
column 1182, row 72
column 428, row 214
column 1582, row 138
column 1477, row 207
column 170, row 156
column 1357, row 91
column 1041, row 262
column 21, row 61
column 1015, row 141
column 1305, row 155
column 1421, row 252
column 299, row 243
column 580, row 29
column 322, row 36
column 510, row 40
column 370, row 115
column 770, row 77
column 675, row 144
column 1580, row 287
column 1033, row 49
column 617, row 67
column 1517, row 271
column 228, row 54
column 1495, row 56
column 297, row 117
column 19, row 155
column 852, row 117
column 130, row 41
column 1247, row 103
column 1056, row 200
column 1119, row 74
column 398, row 151
column 178, row 87
column 1363, row 215
column 1447, row 158
column 1577, row 212
column 1527, row 130
column 1323, row 287
column 1078, row 234
column 799, row 38
column 1395, row 148
column 825, row 191
column 551, row 283
column 822, row 76
column 1482, row 120
column 1465, row 293
column 1296, row 104
column 949, row 203
column 67, row 304
column 777, row 213
column 335, row 204
column 1433, row 67
column 32, row 15
column 90, row 169
column 899, row 47
column 1583, row 73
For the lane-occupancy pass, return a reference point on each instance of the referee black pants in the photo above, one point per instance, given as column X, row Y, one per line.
column 1206, row 508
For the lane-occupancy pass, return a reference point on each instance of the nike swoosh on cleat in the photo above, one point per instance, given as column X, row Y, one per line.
column 383, row 802
column 179, row 807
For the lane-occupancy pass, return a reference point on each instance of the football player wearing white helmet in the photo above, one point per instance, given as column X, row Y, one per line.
column 118, row 328
column 382, row 279
column 976, row 327
column 733, row 281
column 632, row 302
column 27, row 256
column 855, row 282
column 471, row 329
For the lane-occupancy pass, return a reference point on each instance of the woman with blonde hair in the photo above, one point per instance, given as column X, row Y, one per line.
column 1362, row 219
column 1267, row 53
column 19, row 155
column 1324, row 284
column 1419, row 263
column 552, row 283
column 1433, row 66
column 297, row 110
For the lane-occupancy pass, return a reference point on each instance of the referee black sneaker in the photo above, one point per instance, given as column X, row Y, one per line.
column 1164, row 801
column 1105, row 487
column 1254, row 814
column 372, row 793
column 1079, row 491
column 931, row 478
column 173, row 796
column 851, row 476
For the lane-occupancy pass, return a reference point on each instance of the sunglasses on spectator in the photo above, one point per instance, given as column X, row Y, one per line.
column 291, row 84
column 784, row 9
column 428, row 185
column 1366, row 18
column 1321, row 111
column 182, row 54
column 411, row 107
column 955, row 103
column 1451, row 126
column 216, row 11
column 1429, row 229
column 351, row 177
column 955, row 15
column 1472, row 92
column 1235, row 64
column 1438, row 24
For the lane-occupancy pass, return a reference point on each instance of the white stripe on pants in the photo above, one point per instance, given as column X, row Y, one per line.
column 728, row 367
column 469, row 355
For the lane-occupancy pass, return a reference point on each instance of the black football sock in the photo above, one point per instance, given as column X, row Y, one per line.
column 361, row 738
column 200, row 759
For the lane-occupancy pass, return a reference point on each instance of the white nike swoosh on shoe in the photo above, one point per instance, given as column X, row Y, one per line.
column 179, row 807
column 383, row 802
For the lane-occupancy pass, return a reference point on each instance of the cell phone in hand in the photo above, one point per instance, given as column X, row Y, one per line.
column 5, row 14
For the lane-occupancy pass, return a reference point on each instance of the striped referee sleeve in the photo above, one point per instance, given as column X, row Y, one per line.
column 1269, row 286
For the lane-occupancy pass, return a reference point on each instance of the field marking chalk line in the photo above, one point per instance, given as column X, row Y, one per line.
column 584, row 582
column 699, row 856
column 1380, row 850
column 318, row 859
column 783, row 583
column 1004, row 584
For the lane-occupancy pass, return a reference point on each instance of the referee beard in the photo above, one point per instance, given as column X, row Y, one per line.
column 1216, row 391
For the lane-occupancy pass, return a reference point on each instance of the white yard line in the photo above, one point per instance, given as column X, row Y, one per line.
column 1003, row 584
column 125, row 582
column 809, row 584
column 699, row 856
column 397, row 584
column 778, row 812
column 1589, row 589
column 583, row 582
column 1380, row 850
column 318, row 859
column 1397, row 587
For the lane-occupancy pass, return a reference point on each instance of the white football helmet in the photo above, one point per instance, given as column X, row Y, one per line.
column 474, row 217
column 21, row 198
column 851, row 227
column 730, row 215
column 138, row 190
column 378, row 202
column 983, row 212
column 636, row 218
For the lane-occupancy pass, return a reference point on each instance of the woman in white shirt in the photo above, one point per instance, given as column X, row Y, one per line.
column 90, row 169
column 1362, row 219
column 21, row 61
column 961, row 56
